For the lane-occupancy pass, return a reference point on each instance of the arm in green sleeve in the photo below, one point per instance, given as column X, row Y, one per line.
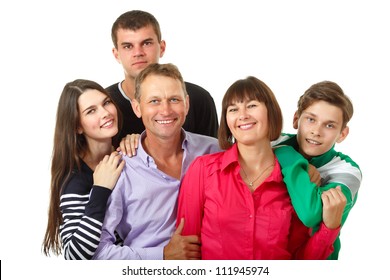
column 305, row 195
column 347, row 192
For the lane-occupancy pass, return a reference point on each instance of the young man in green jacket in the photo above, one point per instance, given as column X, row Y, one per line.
column 321, row 121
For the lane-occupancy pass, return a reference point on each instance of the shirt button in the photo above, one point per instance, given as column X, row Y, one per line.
column 251, row 216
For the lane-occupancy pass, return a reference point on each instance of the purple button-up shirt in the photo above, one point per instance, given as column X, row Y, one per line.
column 142, row 207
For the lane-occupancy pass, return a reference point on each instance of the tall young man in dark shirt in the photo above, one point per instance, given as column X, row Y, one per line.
column 137, row 43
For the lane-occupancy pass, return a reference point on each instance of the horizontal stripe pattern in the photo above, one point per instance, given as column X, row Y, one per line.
column 80, row 234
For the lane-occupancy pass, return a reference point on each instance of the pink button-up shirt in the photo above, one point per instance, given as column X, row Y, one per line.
column 234, row 223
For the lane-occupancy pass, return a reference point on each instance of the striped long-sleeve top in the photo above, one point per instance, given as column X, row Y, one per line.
column 83, row 207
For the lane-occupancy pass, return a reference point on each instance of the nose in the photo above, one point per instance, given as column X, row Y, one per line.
column 243, row 114
column 105, row 113
column 315, row 130
column 138, row 51
column 165, row 107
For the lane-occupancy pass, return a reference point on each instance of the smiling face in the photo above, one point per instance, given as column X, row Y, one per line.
column 248, row 121
column 319, row 126
column 137, row 49
column 163, row 106
column 98, row 116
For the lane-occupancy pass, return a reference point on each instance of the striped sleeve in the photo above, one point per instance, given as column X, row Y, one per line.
column 83, row 216
column 342, row 170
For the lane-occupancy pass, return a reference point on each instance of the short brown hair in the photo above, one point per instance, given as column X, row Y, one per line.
column 250, row 88
column 329, row 92
column 134, row 20
column 167, row 70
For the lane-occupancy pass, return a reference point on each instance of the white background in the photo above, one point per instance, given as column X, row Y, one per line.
column 287, row 44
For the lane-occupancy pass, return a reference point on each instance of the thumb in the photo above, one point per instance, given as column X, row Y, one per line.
column 180, row 227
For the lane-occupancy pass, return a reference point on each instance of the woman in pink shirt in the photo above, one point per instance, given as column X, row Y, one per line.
column 236, row 200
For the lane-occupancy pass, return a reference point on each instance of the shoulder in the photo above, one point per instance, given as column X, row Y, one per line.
column 284, row 139
column 198, row 141
column 208, row 161
column 80, row 181
column 196, row 91
column 114, row 91
column 212, row 158
column 113, row 88
column 339, row 159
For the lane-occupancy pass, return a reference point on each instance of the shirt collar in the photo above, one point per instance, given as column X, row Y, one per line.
column 320, row 160
column 122, row 91
column 230, row 160
column 146, row 158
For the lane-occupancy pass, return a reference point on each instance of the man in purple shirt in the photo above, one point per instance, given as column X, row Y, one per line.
column 142, row 207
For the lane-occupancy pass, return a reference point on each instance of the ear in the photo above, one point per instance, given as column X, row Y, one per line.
column 344, row 133
column 136, row 107
column 116, row 55
column 162, row 48
column 187, row 104
column 79, row 130
column 295, row 120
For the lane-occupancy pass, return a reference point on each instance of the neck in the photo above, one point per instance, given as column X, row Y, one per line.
column 256, row 164
column 167, row 154
column 162, row 148
column 255, row 157
column 96, row 152
column 128, row 86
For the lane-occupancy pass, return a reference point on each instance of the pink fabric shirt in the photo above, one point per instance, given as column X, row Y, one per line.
column 234, row 223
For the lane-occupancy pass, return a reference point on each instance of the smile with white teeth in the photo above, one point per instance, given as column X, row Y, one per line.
column 107, row 124
column 165, row 122
column 313, row 142
column 245, row 126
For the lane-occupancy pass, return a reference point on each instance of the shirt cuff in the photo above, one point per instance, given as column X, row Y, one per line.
column 327, row 234
column 153, row 253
